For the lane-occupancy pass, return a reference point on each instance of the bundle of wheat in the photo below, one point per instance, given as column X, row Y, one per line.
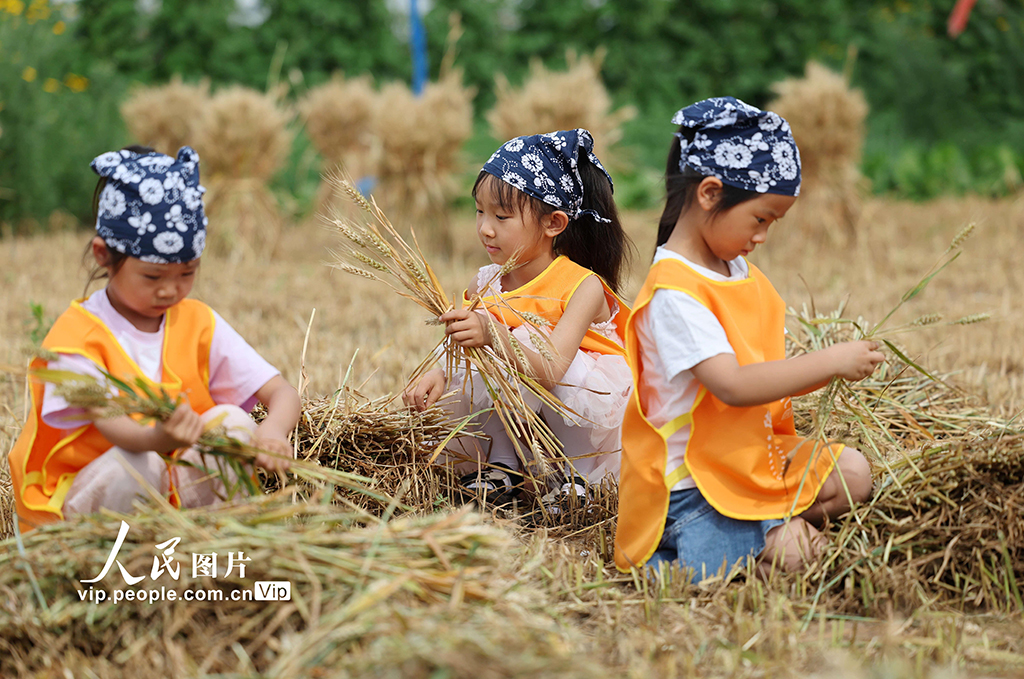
column 167, row 117
column 551, row 100
column 243, row 141
column 827, row 117
column 418, row 154
column 338, row 118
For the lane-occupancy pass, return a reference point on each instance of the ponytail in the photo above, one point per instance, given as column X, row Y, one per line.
column 602, row 247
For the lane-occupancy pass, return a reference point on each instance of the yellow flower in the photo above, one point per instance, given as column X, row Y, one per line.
column 59, row 27
column 51, row 85
column 76, row 83
column 15, row 7
column 29, row 74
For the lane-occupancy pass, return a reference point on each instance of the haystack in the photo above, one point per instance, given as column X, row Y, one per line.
column 243, row 141
column 380, row 441
column 552, row 100
column 418, row 156
column 827, row 117
column 167, row 117
column 440, row 584
column 338, row 116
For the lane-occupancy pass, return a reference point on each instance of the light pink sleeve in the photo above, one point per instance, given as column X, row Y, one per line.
column 56, row 412
column 237, row 371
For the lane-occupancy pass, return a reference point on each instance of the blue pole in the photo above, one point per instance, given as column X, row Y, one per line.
column 418, row 44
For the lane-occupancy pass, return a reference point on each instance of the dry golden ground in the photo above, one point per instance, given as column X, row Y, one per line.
column 744, row 631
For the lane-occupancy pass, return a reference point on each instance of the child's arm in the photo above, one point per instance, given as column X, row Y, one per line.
column 760, row 383
column 181, row 430
column 283, row 411
column 470, row 329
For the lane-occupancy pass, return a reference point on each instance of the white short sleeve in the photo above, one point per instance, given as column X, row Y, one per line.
column 683, row 332
column 237, row 371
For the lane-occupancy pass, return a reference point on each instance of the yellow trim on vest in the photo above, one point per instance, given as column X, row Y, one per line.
column 56, row 503
column 676, row 476
column 64, row 442
column 539, row 277
column 672, row 426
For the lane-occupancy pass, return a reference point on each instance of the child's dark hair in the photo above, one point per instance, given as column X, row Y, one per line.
column 602, row 247
column 681, row 187
column 117, row 259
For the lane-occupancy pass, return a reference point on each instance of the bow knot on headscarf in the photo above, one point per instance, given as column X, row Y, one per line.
column 151, row 207
column 546, row 167
column 741, row 145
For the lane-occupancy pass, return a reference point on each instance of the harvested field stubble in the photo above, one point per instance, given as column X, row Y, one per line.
column 577, row 607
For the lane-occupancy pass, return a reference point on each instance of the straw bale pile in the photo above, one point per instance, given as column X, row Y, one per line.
column 402, row 598
column 945, row 525
column 243, row 141
column 827, row 117
column 338, row 116
column 419, row 141
column 167, row 117
column 371, row 438
column 552, row 100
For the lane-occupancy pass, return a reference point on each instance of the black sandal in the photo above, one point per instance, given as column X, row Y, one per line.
column 496, row 485
column 557, row 502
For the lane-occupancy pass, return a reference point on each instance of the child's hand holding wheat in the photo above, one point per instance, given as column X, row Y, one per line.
column 467, row 328
column 855, row 361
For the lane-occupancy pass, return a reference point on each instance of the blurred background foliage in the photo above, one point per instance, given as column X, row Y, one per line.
column 947, row 115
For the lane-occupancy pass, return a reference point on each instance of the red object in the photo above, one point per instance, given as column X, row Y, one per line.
column 959, row 16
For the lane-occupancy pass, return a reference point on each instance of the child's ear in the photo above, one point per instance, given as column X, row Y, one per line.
column 100, row 252
column 709, row 191
column 555, row 223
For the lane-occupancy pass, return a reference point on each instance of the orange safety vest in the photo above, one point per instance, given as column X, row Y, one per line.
column 747, row 462
column 548, row 294
column 44, row 460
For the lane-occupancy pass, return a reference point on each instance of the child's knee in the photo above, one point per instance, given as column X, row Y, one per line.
column 856, row 471
column 792, row 545
column 235, row 421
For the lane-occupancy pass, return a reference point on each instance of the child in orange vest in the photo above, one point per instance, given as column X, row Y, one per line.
column 712, row 471
column 151, row 231
column 547, row 201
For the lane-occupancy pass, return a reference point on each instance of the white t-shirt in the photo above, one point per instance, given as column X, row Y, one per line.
column 237, row 371
column 676, row 332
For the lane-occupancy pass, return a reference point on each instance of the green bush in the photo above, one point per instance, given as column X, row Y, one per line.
column 58, row 114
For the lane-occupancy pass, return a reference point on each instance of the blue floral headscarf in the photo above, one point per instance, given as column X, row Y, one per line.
column 545, row 166
column 152, row 205
column 740, row 144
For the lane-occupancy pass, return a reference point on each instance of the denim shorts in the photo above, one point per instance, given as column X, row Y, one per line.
column 698, row 537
